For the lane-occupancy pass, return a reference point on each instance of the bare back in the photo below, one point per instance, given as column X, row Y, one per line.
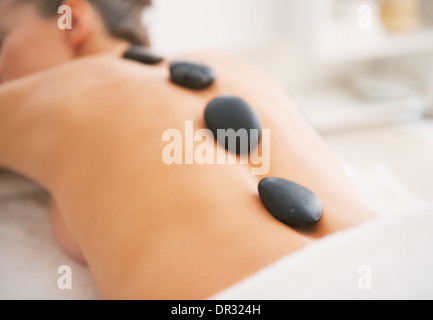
column 150, row 230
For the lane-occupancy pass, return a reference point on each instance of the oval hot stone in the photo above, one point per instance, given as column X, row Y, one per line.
column 234, row 123
column 191, row 75
column 290, row 203
column 142, row 55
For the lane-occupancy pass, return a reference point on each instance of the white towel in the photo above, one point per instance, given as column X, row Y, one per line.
column 391, row 258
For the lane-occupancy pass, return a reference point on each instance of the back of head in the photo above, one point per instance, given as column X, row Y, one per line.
column 123, row 19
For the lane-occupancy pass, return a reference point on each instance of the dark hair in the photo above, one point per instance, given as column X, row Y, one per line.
column 123, row 18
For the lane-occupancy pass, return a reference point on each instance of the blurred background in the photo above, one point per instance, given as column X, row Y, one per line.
column 361, row 71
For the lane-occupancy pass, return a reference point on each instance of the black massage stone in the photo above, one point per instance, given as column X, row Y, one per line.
column 191, row 75
column 290, row 203
column 230, row 112
column 142, row 55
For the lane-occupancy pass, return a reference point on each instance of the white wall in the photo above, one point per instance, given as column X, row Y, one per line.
column 179, row 25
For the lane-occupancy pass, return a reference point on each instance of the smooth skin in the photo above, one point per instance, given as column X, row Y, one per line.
column 90, row 129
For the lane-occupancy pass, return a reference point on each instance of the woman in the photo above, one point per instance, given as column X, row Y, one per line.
column 88, row 126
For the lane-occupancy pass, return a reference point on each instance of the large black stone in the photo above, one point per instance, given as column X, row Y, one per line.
column 142, row 55
column 290, row 203
column 191, row 75
column 230, row 112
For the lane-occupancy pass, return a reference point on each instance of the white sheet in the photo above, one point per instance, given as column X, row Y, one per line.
column 387, row 259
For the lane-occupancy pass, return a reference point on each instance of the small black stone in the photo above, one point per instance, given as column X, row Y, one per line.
column 230, row 112
column 142, row 55
column 191, row 75
column 290, row 203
